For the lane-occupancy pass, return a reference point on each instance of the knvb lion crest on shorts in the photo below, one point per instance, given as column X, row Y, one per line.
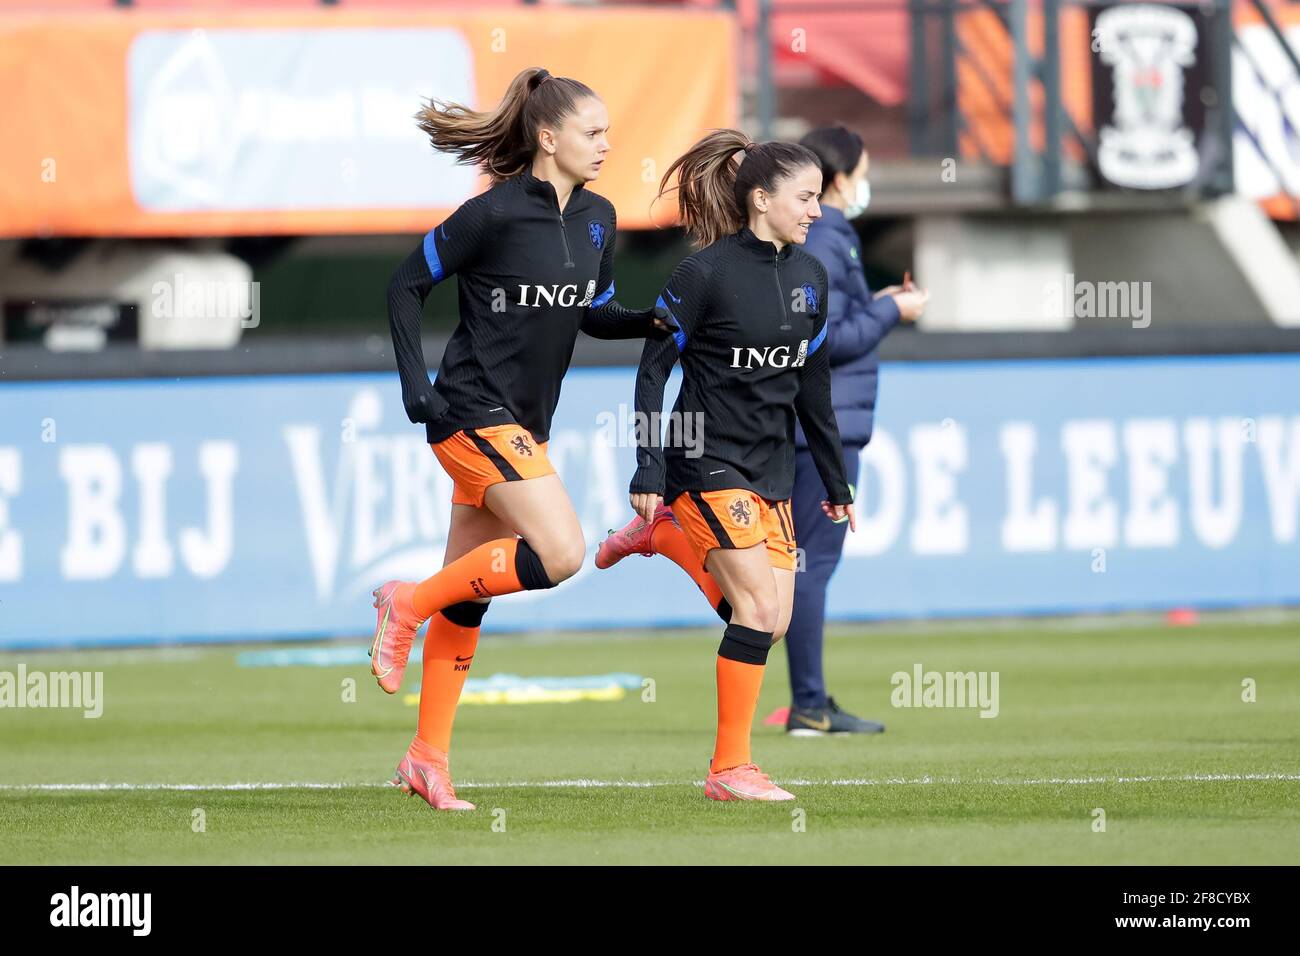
column 739, row 510
column 522, row 445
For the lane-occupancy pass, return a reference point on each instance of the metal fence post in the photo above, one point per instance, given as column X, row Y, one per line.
column 1025, row 181
column 766, row 92
column 1051, row 78
column 919, row 94
column 1225, row 111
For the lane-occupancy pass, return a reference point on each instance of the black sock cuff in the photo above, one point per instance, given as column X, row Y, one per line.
column 529, row 568
column 744, row 644
column 724, row 610
column 466, row 613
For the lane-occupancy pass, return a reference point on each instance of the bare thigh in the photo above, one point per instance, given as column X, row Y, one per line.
column 747, row 582
column 539, row 511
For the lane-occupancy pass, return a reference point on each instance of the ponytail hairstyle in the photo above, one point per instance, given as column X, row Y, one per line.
column 714, row 186
column 502, row 141
column 838, row 150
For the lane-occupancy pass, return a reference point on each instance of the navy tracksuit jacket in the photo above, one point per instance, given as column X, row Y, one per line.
column 857, row 324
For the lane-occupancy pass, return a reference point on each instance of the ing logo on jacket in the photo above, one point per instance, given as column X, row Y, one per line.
column 548, row 296
column 771, row 356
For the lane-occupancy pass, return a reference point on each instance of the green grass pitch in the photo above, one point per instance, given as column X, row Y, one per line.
column 1141, row 721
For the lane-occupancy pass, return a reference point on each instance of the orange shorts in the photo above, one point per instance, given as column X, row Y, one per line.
column 477, row 458
column 736, row 518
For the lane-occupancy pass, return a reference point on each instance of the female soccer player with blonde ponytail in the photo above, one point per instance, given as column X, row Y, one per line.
column 533, row 256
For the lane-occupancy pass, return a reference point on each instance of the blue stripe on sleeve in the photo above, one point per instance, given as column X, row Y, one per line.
column 603, row 297
column 815, row 344
column 680, row 335
column 431, row 257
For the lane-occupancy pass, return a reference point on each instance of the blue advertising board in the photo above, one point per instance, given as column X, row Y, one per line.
column 247, row 508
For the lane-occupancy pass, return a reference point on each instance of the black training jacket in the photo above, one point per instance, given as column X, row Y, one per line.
column 751, row 339
column 529, row 278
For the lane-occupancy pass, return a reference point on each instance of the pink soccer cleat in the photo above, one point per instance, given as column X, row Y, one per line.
column 745, row 782
column 394, row 633
column 634, row 538
column 424, row 771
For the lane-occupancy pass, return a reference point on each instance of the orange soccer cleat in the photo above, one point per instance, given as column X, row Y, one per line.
column 424, row 771
column 745, row 782
column 394, row 633
column 633, row 538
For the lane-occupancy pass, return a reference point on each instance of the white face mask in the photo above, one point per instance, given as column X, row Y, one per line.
column 861, row 199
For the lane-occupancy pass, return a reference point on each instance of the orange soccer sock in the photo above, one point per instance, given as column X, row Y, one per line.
column 448, row 649
column 670, row 540
column 500, row 566
column 742, row 659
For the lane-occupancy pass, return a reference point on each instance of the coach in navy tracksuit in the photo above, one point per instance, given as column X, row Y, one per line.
column 857, row 322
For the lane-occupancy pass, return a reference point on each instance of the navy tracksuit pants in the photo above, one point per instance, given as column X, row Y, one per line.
column 822, row 540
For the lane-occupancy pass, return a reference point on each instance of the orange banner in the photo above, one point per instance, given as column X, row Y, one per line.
column 288, row 122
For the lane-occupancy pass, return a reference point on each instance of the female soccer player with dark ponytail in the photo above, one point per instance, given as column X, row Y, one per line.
column 534, row 260
column 750, row 307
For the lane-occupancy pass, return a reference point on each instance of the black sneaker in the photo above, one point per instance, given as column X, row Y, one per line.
column 828, row 720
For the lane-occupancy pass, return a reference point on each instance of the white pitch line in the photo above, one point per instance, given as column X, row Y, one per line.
column 612, row 784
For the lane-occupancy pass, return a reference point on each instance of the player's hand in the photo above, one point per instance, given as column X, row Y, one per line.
column 888, row 290
column 425, row 407
column 839, row 513
column 645, row 504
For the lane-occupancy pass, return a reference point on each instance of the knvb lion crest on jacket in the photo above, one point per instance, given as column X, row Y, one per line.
column 810, row 298
column 596, row 230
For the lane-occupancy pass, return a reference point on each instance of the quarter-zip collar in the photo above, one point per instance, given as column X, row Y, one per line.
column 760, row 247
column 546, row 189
